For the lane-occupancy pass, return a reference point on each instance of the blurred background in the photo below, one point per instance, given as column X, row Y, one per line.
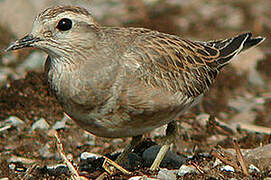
column 241, row 95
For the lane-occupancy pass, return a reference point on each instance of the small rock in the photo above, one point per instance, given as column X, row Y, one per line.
column 60, row 124
column 166, row 174
column 253, row 168
column 57, row 170
column 10, row 122
column 40, row 124
column 21, row 160
column 227, row 168
column 217, row 162
column 14, row 121
column 87, row 155
column 12, row 166
column 184, row 169
column 17, row 167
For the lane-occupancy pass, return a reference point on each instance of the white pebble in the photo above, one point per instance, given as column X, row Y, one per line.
column 227, row 168
column 184, row 169
column 15, row 121
column 86, row 155
column 40, row 124
column 56, row 166
column 253, row 168
column 166, row 174
column 60, row 124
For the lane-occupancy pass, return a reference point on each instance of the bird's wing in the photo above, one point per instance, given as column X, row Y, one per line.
column 167, row 75
column 178, row 65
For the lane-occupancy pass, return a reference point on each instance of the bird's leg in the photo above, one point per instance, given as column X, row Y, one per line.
column 124, row 155
column 111, row 166
column 171, row 133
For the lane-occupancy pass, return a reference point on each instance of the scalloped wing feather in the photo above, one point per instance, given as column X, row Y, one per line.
column 175, row 64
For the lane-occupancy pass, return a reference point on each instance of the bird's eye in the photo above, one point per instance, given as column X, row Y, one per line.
column 64, row 24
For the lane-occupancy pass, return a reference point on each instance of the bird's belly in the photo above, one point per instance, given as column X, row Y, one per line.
column 121, row 123
column 115, row 128
column 119, row 132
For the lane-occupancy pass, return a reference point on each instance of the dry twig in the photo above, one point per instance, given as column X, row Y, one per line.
column 74, row 174
column 226, row 160
column 240, row 157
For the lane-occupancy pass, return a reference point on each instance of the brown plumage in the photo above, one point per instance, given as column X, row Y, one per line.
column 121, row 82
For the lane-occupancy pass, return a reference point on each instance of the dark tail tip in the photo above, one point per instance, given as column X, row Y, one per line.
column 237, row 44
column 250, row 42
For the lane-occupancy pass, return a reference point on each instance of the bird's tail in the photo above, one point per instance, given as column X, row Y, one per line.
column 231, row 47
column 250, row 42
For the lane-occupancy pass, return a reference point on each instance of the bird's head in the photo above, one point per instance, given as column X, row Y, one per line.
column 59, row 31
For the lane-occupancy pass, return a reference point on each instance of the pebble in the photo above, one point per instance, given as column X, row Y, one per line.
column 12, row 166
column 10, row 122
column 60, row 124
column 87, row 155
column 184, row 169
column 40, row 124
column 58, row 170
column 21, row 160
column 17, row 167
column 253, row 168
column 14, row 121
column 166, row 174
column 227, row 168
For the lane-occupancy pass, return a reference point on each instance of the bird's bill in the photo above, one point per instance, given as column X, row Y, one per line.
column 26, row 41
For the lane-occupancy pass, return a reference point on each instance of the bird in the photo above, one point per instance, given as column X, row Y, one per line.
column 124, row 81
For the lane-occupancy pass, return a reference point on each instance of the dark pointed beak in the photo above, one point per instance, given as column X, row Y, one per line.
column 26, row 41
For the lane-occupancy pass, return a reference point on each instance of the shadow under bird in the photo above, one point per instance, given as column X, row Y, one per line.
column 124, row 82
